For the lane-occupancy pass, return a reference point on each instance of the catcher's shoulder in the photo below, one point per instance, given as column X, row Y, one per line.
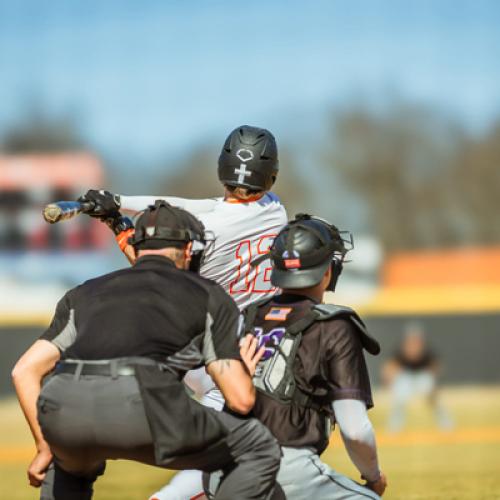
column 334, row 311
column 352, row 322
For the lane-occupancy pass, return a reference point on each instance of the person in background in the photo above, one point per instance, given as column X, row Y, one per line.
column 412, row 371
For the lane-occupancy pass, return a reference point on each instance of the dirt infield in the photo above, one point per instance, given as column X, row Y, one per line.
column 422, row 462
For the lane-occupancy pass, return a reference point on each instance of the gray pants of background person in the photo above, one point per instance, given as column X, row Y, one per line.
column 303, row 475
column 89, row 419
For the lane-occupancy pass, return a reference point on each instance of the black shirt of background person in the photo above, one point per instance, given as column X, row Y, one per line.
column 426, row 360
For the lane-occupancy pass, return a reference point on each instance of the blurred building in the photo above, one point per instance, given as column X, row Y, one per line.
column 27, row 183
column 38, row 261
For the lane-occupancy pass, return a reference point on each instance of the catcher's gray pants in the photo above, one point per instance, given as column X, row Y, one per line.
column 89, row 419
column 303, row 475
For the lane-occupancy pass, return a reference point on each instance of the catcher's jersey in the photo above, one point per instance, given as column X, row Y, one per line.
column 241, row 232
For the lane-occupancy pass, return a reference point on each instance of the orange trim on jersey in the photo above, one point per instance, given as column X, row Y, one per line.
column 247, row 200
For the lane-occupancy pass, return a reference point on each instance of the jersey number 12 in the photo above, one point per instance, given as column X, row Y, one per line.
column 253, row 279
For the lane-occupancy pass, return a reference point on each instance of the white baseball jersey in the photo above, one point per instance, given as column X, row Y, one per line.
column 241, row 232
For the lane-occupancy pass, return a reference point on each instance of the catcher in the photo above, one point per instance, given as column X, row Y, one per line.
column 313, row 370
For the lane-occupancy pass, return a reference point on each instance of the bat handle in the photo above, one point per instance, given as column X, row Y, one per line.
column 87, row 206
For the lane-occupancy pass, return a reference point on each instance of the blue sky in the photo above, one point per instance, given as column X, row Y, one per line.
column 152, row 78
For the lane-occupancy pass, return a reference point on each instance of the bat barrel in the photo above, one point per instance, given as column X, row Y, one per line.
column 64, row 210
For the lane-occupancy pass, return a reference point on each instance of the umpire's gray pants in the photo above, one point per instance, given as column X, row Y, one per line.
column 303, row 475
column 89, row 419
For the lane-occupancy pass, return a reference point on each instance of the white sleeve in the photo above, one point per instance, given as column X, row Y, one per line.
column 358, row 436
column 199, row 381
column 138, row 203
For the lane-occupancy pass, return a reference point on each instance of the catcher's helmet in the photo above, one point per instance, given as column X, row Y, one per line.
column 303, row 250
column 249, row 158
column 162, row 225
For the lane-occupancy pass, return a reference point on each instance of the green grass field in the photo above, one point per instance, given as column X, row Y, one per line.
column 421, row 463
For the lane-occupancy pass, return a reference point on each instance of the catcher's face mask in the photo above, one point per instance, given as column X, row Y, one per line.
column 344, row 243
column 303, row 251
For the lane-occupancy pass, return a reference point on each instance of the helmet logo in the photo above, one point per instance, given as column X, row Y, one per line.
column 244, row 155
column 150, row 230
column 242, row 172
column 291, row 261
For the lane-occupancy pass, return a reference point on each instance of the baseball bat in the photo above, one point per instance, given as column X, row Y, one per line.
column 65, row 210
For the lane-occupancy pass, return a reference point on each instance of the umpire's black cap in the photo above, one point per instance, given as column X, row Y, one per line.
column 162, row 225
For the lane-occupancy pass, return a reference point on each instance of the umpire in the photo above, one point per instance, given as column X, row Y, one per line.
column 119, row 346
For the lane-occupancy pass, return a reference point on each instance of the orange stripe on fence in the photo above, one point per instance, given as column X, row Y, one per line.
column 460, row 266
column 13, row 454
column 486, row 435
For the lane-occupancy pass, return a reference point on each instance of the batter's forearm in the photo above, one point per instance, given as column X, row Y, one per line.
column 122, row 239
column 138, row 203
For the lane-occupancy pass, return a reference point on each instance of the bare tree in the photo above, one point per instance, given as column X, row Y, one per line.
column 39, row 131
column 425, row 182
column 477, row 180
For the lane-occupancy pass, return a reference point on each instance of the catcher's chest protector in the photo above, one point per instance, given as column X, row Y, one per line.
column 275, row 372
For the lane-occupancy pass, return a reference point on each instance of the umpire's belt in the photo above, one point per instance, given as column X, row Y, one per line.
column 104, row 367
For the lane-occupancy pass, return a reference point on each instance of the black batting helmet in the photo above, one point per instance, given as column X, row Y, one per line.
column 162, row 225
column 249, row 159
column 303, row 250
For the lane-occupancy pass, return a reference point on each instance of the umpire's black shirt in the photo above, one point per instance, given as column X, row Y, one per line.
column 152, row 310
